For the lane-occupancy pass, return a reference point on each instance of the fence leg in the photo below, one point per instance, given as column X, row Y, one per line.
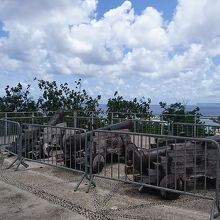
column 91, row 182
column 75, row 119
column 1, row 159
column 6, row 128
column 194, row 127
column 112, row 115
column 213, row 214
column 12, row 164
column 20, row 162
column 19, row 158
column 89, row 178
column 32, row 118
column 88, row 167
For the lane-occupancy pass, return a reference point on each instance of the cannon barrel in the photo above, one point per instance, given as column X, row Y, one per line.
column 141, row 158
column 77, row 141
column 122, row 125
column 59, row 114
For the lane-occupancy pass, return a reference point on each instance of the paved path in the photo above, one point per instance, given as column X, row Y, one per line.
column 42, row 192
column 17, row 204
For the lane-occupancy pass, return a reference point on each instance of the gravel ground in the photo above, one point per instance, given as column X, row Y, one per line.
column 44, row 192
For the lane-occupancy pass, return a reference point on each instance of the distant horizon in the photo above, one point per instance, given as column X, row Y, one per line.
column 205, row 110
column 191, row 104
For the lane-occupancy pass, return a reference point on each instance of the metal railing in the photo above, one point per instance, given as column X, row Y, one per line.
column 173, row 165
column 194, row 130
column 110, row 114
column 92, row 120
column 52, row 145
column 10, row 136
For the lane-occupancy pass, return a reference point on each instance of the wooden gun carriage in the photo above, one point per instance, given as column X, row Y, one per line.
column 173, row 165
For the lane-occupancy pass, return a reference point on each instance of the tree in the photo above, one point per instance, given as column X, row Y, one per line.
column 17, row 99
column 177, row 112
column 183, row 122
column 61, row 96
column 126, row 108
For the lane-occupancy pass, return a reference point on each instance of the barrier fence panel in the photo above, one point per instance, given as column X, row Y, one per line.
column 91, row 122
column 9, row 132
column 150, row 126
column 194, row 130
column 173, row 165
column 25, row 117
column 57, row 146
column 147, row 126
column 10, row 137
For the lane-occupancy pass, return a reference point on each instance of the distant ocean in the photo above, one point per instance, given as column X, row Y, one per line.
column 205, row 109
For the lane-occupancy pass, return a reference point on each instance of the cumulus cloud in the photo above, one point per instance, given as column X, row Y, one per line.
column 137, row 54
column 195, row 21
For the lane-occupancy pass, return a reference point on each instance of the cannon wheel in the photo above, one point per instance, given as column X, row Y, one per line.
column 169, row 182
column 98, row 163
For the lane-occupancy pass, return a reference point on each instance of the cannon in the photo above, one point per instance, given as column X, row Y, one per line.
column 103, row 144
column 172, row 164
column 36, row 140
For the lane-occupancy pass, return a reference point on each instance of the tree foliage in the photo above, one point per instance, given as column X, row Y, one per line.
column 17, row 99
column 182, row 121
column 177, row 112
column 120, row 105
column 61, row 96
column 53, row 96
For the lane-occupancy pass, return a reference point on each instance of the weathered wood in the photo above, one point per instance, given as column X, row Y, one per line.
column 37, row 139
column 184, row 159
column 103, row 143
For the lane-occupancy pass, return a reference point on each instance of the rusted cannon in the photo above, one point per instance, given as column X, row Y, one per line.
column 102, row 145
column 36, row 140
column 192, row 163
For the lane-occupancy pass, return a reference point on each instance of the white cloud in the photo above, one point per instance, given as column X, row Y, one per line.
column 195, row 21
column 137, row 54
column 41, row 13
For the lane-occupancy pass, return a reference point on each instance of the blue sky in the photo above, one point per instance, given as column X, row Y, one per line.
column 166, row 7
column 164, row 50
column 2, row 32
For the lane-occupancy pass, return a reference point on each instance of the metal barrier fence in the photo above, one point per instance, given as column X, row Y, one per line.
column 10, row 132
column 140, row 125
column 194, row 130
column 61, row 147
column 144, row 123
column 171, row 164
column 93, row 122
column 52, row 145
column 25, row 117
column 174, row 165
column 147, row 126
column 110, row 115
column 10, row 136
column 89, row 123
